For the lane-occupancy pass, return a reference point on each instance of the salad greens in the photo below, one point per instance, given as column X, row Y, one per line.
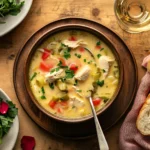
column 6, row 120
column 11, row 7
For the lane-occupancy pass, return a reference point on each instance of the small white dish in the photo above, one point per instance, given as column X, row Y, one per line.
column 13, row 21
column 10, row 138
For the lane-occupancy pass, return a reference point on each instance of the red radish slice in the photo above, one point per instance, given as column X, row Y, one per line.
column 3, row 108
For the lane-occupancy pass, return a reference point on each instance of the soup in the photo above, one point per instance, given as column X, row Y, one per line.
column 69, row 67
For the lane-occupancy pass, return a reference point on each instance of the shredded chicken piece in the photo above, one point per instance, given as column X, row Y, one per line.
column 104, row 63
column 74, row 44
column 83, row 73
column 51, row 77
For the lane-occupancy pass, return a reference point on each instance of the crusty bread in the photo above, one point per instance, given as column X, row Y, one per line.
column 143, row 119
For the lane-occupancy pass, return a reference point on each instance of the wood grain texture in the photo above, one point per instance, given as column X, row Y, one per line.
column 41, row 13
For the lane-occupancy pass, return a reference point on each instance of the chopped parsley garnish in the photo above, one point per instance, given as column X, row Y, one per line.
column 42, row 89
column 105, row 99
column 101, row 49
column 79, row 90
column 98, row 43
column 76, row 82
column 33, row 76
column 69, row 73
column 43, row 97
column 99, row 55
column 67, row 53
column 51, row 85
column 90, row 62
column 55, row 69
column 103, row 70
column 100, row 83
column 84, row 60
column 78, row 55
column 60, row 63
column 62, row 44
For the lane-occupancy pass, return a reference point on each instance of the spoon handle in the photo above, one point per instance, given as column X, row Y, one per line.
column 101, row 138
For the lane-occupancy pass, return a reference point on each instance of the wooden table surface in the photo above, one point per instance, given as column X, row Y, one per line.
column 41, row 13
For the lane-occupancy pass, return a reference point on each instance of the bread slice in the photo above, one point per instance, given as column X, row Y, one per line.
column 143, row 119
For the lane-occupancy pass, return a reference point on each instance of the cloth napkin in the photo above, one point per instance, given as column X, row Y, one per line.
column 130, row 138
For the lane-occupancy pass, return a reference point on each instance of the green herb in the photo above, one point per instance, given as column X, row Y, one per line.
column 100, row 83
column 67, row 53
column 78, row 55
column 84, row 60
column 90, row 62
column 105, row 99
column 98, row 43
column 76, row 82
column 43, row 97
column 51, row 85
column 42, row 89
column 63, row 45
column 69, row 73
column 101, row 49
column 11, row 7
column 57, row 69
column 99, row 55
column 53, row 70
column 60, row 63
column 7, row 119
column 33, row 76
column 103, row 70
column 79, row 90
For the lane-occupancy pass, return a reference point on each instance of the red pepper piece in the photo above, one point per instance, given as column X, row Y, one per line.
column 46, row 54
column 96, row 101
column 52, row 104
column 73, row 67
column 81, row 49
column 45, row 67
column 72, row 38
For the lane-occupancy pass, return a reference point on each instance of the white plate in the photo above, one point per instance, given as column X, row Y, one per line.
column 10, row 138
column 13, row 21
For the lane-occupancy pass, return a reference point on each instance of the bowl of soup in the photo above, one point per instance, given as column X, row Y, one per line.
column 66, row 66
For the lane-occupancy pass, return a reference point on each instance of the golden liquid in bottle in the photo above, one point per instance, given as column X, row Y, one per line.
column 133, row 15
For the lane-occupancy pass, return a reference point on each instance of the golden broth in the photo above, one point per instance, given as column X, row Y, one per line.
column 66, row 67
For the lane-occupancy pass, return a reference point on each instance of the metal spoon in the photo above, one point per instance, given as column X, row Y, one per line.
column 101, row 138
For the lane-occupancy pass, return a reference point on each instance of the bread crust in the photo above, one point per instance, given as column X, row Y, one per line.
column 143, row 119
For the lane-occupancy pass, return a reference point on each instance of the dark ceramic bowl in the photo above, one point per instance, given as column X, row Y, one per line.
column 43, row 36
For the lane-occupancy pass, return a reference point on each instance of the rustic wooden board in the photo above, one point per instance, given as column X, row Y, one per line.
column 110, row 116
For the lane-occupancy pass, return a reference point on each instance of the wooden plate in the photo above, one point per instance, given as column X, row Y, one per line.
column 87, row 128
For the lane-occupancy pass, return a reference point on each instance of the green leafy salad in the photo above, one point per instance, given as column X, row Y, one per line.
column 8, row 112
column 10, row 7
